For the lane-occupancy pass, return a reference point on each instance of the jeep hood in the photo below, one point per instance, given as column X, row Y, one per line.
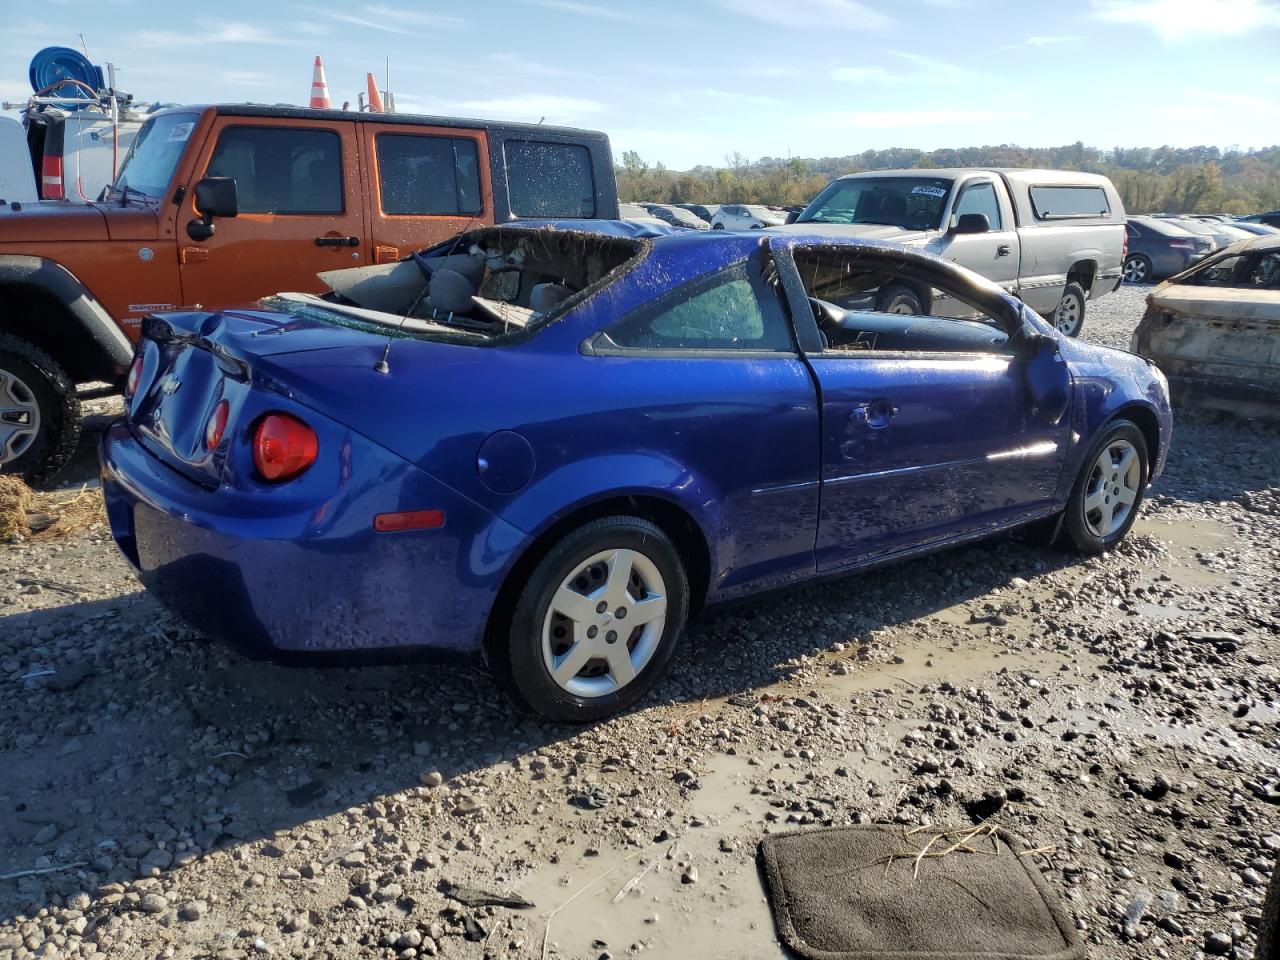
column 867, row 231
column 67, row 221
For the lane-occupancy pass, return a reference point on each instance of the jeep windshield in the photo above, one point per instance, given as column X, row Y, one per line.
column 148, row 166
column 913, row 203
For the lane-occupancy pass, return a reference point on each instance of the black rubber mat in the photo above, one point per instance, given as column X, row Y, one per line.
column 865, row 893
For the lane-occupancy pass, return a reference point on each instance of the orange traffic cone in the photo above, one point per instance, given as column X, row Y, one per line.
column 375, row 99
column 319, row 88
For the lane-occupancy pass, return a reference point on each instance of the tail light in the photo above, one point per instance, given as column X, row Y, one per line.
column 216, row 426
column 135, row 374
column 1124, row 247
column 283, row 447
column 51, row 178
column 1183, row 244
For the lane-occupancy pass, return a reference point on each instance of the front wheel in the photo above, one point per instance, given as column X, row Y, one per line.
column 717, row 226
column 1069, row 317
column 597, row 623
column 1108, row 492
column 39, row 412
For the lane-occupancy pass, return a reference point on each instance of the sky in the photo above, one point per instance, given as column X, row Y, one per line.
column 689, row 82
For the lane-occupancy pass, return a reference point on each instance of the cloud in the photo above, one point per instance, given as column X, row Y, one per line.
column 895, row 119
column 598, row 11
column 248, row 78
column 1176, row 20
column 923, row 71
column 394, row 19
column 829, row 14
column 526, row 107
column 1035, row 43
column 209, row 31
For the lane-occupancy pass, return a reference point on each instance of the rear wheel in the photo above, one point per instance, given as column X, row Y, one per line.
column 1108, row 492
column 1069, row 317
column 717, row 226
column 39, row 412
column 1137, row 269
column 597, row 623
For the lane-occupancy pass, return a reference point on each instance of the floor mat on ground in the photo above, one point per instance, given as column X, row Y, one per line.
column 883, row 893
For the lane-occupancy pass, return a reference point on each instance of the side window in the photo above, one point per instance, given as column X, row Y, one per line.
column 863, row 306
column 1220, row 274
column 550, row 179
column 427, row 175
column 1263, row 273
column 979, row 198
column 281, row 169
column 1066, row 203
column 731, row 310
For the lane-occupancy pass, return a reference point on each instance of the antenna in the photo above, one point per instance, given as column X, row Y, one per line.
column 382, row 366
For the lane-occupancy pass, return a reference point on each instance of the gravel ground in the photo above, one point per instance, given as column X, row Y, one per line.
column 1119, row 713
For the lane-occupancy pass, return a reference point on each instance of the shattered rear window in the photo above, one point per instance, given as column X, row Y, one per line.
column 550, row 180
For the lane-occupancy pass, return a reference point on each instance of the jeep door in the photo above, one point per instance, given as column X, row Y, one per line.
column 300, row 209
column 425, row 185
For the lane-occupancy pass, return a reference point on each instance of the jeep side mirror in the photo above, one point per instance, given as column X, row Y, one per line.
column 215, row 197
column 793, row 216
column 972, row 223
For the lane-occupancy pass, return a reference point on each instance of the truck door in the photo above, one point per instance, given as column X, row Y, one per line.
column 425, row 185
column 301, row 210
column 993, row 253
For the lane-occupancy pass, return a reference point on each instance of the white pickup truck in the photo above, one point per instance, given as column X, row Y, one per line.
column 1054, row 238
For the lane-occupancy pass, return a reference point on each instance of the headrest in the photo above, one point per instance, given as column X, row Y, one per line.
column 451, row 292
column 545, row 297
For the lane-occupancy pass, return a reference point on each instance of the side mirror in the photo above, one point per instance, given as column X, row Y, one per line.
column 972, row 223
column 215, row 197
column 793, row 216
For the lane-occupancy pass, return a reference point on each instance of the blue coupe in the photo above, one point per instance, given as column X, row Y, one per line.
column 550, row 443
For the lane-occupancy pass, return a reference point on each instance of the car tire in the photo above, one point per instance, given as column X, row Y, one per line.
column 1068, row 316
column 550, row 628
column 717, row 226
column 900, row 299
column 1137, row 269
column 39, row 412
column 1107, row 484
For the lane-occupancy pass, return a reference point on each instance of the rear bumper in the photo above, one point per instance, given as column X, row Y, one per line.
column 316, row 583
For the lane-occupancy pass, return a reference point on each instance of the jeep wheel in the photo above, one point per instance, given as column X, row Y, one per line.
column 39, row 412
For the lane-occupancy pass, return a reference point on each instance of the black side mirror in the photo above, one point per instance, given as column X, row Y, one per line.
column 972, row 223
column 793, row 216
column 215, row 197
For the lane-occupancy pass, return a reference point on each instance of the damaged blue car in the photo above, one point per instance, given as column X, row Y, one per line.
column 549, row 444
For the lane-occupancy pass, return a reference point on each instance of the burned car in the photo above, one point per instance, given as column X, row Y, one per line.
column 549, row 444
column 1215, row 330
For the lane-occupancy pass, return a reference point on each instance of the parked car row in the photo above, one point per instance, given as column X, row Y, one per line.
column 1163, row 245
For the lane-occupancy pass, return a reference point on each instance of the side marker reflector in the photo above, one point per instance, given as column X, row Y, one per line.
column 409, row 520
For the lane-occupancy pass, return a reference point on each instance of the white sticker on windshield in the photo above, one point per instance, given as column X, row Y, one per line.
column 929, row 191
column 181, row 132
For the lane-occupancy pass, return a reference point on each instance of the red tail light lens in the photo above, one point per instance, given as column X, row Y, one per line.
column 135, row 374
column 51, row 178
column 283, row 447
column 216, row 426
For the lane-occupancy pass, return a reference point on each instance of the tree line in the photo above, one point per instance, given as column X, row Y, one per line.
column 1149, row 179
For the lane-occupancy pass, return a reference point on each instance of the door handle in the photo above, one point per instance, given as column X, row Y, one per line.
column 1003, row 250
column 337, row 241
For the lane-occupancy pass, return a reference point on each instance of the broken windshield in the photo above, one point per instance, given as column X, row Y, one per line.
column 148, row 166
column 913, row 203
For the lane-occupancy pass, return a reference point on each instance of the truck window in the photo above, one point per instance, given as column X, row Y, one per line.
column 1063, row 203
column 281, row 169
column 913, row 203
column 427, row 175
column 148, row 166
column 550, row 179
column 979, row 198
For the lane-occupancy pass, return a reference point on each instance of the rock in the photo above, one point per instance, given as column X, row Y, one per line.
column 193, row 910
column 1217, row 944
column 431, row 779
column 690, row 875
column 1252, row 878
column 410, row 938
column 153, row 903
column 1174, row 860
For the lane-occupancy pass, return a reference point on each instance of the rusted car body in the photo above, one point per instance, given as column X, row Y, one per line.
column 1215, row 331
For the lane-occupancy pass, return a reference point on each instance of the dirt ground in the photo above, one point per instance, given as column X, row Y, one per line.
column 1121, row 713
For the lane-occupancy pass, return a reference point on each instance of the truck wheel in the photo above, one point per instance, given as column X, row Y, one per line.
column 896, row 298
column 39, row 412
column 1069, row 317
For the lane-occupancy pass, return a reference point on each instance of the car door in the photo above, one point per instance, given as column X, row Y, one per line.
column 300, row 210
column 962, row 429
column 425, row 184
column 994, row 253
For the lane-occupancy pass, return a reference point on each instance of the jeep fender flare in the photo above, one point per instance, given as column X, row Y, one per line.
column 61, row 284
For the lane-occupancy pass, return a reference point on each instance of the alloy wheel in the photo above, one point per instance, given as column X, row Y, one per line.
column 1113, row 488
column 19, row 417
column 1135, row 270
column 604, row 623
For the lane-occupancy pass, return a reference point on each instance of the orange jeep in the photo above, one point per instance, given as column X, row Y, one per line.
column 224, row 204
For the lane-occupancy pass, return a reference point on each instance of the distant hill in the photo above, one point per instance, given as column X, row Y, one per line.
column 1150, row 179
